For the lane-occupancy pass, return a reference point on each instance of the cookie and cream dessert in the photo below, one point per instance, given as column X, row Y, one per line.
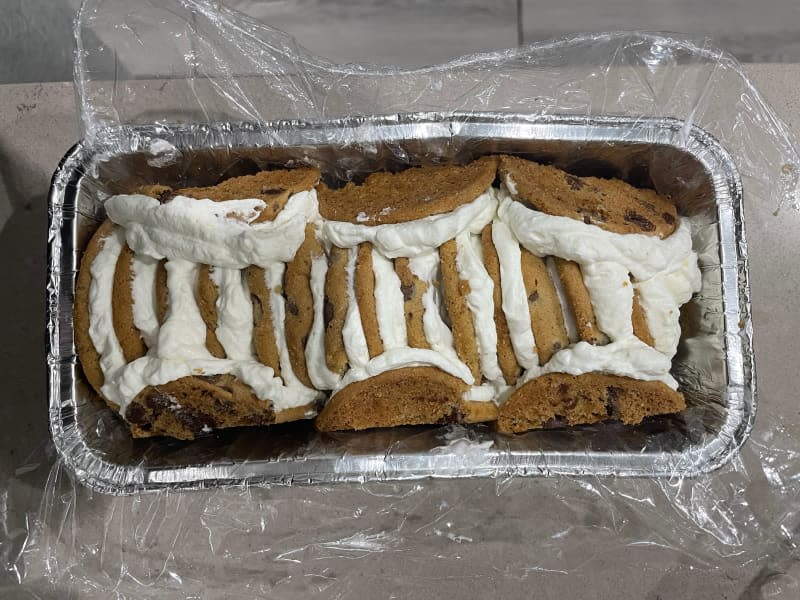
column 426, row 296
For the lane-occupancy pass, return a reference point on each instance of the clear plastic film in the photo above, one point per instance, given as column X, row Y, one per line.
column 191, row 91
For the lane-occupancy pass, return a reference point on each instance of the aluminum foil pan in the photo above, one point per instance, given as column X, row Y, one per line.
column 714, row 364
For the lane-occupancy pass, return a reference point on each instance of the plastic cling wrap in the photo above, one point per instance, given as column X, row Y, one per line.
column 192, row 92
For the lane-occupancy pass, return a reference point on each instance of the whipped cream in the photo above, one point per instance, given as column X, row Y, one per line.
column 419, row 236
column 389, row 305
column 234, row 313
column 101, row 293
column 549, row 235
column 273, row 277
column 438, row 335
column 316, row 362
column 665, row 271
column 515, row 300
column 143, row 295
column 215, row 233
column 152, row 371
column 183, row 334
column 355, row 341
column 399, row 358
column 488, row 392
column 611, row 293
column 480, row 301
column 630, row 357
column 661, row 297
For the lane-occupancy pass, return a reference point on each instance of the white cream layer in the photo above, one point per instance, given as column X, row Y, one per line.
column 180, row 349
column 215, row 233
column 515, row 300
column 101, row 310
column 629, row 358
column 400, row 358
column 437, row 333
column 234, row 313
column 480, row 301
column 566, row 308
column 416, row 237
column 143, row 295
column 606, row 258
column 389, row 305
column 316, row 362
column 355, row 341
column 661, row 297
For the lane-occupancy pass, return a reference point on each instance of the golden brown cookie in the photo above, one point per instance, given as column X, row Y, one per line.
column 183, row 408
column 547, row 320
column 558, row 399
column 577, row 297
column 300, row 303
column 608, row 203
column 639, row 321
column 87, row 353
column 335, row 309
column 273, row 187
column 263, row 327
column 409, row 396
column 505, row 351
column 408, row 195
column 413, row 288
column 130, row 338
column 207, row 295
column 162, row 294
column 478, row 412
column 455, row 292
column 364, row 289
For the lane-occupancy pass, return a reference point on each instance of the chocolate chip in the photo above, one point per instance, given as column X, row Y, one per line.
column 327, row 311
column 575, row 183
column 534, row 296
column 136, row 414
column 194, row 421
column 668, row 218
column 587, row 220
column 164, row 196
column 292, row 307
column 563, row 388
column 612, row 399
column 408, row 291
column 557, row 346
column 642, row 222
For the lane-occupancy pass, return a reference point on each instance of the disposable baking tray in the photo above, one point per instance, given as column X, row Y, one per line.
column 714, row 364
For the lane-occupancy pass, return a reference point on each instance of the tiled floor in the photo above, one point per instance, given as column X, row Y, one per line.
column 36, row 35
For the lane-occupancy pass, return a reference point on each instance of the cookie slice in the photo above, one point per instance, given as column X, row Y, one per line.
column 207, row 295
column 300, row 304
column 87, row 353
column 263, row 328
column 127, row 333
column 413, row 289
column 559, row 399
column 639, row 321
column 610, row 204
column 335, row 310
column 417, row 192
column 547, row 320
column 364, row 284
column 577, row 296
column 407, row 396
column 455, row 292
column 189, row 406
column 273, row 187
column 505, row 350
column 162, row 296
